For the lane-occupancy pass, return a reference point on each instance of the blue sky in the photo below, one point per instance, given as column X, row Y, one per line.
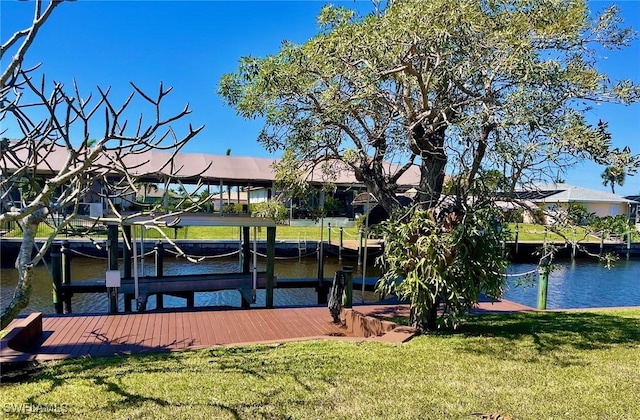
column 189, row 45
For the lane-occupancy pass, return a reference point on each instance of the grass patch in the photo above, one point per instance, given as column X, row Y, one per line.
column 529, row 366
column 536, row 233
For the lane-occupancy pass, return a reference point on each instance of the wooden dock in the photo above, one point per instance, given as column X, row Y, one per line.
column 93, row 335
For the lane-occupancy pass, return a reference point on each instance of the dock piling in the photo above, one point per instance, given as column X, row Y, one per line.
column 158, row 251
column 360, row 236
column 66, row 274
column 56, row 274
column 112, row 251
column 543, row 281
column 341, row 244
column 347, row 300
column 271, row 253
column 126, row 251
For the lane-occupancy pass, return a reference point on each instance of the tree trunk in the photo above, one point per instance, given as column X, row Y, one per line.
column 434, row 162
column 424, row 319
column 24, row 265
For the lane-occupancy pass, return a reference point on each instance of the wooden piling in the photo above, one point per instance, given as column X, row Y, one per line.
column 271, row 254
column 158, row 251
column 360, row 235
column 126, row 251
column 56, row 274
column 112, row 250
column 320, row 262
column 544, row 269
column 341, row 244
column 246, row 249
column 66, row 274
column 347, row 300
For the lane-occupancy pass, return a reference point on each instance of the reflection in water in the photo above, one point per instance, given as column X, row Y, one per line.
column 572, row 285
column 86, row 269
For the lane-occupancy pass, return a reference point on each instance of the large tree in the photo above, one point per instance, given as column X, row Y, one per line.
column 53, row 159
column 456, row 87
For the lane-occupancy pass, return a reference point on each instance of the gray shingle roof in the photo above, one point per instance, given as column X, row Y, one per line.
column 571, row 193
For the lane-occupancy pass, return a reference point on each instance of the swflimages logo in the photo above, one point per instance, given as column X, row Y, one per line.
column 30, row 408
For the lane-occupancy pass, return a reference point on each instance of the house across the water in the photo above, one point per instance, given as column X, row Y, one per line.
column 553, row 199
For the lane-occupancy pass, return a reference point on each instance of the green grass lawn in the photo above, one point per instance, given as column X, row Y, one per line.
column 526, row 232
column 575, row 365
column 533, row 232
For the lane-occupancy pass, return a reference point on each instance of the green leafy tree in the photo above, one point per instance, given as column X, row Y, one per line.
column 467, row 87
column 442, row 262
column 273, row 209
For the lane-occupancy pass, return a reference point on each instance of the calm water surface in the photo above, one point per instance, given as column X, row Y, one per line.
column 85, row 269
column 582, row 284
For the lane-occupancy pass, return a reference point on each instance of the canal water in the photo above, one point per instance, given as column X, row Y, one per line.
column 581, row 284
column 87, row 269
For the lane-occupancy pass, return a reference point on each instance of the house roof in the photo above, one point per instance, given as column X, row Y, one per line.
column 154, row 165
column 565, row 193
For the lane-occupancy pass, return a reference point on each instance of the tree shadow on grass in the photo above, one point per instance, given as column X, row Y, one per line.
column 257, row 362
column 552, row 331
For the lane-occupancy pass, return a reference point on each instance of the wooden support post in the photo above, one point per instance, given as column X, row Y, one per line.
column 601, row 242
column 271, row 256
column 329, row 233
column 112, row 239
column 191, row 301
column 320, row 262
column 128, row 297
column 341, row 244
column 543, row 281
column 126, row 251
column 573, row 244
column 517, row 234
column 629, row 235
column 322, row 289
column 347, row 299
column 158, row 250
column 66, row 274
column 246, row 249
column 220, row 199
column 360, row 235
column 56, row 274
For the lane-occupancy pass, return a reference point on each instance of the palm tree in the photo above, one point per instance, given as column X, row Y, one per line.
column 146, row 188
column 613, row 175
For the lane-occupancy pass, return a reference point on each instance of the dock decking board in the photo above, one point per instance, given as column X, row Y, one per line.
column 68, row 336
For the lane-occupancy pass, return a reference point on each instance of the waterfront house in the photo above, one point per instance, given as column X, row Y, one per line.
column 555, row 198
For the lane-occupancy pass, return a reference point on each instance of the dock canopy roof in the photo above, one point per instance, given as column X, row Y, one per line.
column 189, row 219
column 155, row 166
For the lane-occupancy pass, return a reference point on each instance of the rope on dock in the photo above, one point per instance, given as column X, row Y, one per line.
column 82, row 254
column 535, row 270
column 350, row 235
column 286, row 258
column 199, row 257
